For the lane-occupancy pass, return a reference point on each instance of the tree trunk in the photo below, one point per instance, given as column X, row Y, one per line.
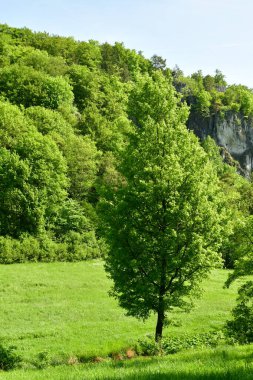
column 160, row 322
column 160, row 310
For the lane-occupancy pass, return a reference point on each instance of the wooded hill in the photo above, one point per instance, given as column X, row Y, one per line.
column 67, row 109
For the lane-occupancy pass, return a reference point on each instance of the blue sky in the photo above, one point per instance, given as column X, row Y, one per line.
column 194, row 34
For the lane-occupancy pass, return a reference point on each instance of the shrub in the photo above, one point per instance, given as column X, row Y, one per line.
column 167, row 346
column 148, row 347
column 9, row 250
column 74, row 247
column 240, row 329
column 8, row 358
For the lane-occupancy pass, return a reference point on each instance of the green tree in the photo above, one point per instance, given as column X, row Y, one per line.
column 219, row 79
column 88, row 54
column 163, row 218
column 33, row 181
column 79, row 151
column 242, row 247
column 240, row 99
column 209, row 82
column 240, row 328
column 29, row 87
column 158, row 62
column 41, row 61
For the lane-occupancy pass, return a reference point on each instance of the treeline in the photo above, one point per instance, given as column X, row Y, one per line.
column 67, row 109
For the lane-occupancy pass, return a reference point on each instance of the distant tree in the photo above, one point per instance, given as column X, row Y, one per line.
column 85, row 84
column 40, row 60
column 198, row 77
column 209, row 82
column 158, row 62
column 220, row 82
column 49, row 121
column 114, row 60
column 54, row 45
column 177, row 72
column 242, row 245
column 82, row 159
column 239, row 99
column 163, row 218
column 88, row 54
column 29, row 87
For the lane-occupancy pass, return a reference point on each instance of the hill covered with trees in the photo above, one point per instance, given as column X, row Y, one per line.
column 67, row 111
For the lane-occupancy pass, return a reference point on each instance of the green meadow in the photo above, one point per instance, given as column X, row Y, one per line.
column 54, row 313
column 228, row 363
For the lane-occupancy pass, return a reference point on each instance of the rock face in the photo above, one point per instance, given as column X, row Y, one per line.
column 233, row 132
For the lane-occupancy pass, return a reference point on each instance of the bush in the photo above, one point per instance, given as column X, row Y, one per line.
column 173, row 345
column 167, row 346
column 81, row 246
column 240, row 329
column 8, row 358
column 74, row 247
column 9, row 250
column 148, row 347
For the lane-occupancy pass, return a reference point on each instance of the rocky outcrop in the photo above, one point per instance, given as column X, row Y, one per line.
column 232, row 131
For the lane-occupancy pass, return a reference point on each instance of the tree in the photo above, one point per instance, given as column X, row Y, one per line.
column 33, row 181
column 158, row 62
column 29, row 87
column 240, row 328
column 219, row 79
column 88, row 54
column 163, row 218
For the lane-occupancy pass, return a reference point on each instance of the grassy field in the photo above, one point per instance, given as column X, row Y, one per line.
column 58, row 311
column 228, row 363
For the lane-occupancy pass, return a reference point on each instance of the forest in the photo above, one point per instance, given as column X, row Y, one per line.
column 99, row 160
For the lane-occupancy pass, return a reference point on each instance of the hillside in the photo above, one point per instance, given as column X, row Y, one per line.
column 66, row 114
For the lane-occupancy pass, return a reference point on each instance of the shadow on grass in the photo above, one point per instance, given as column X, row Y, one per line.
column 217, row 365
column 229, row 375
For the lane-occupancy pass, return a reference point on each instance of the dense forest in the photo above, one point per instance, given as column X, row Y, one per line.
column 67, row 110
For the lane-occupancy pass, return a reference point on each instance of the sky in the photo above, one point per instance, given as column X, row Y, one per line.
column 193, row 34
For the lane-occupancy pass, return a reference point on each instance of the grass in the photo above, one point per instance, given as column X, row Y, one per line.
column 62, row 309
column 230, row 363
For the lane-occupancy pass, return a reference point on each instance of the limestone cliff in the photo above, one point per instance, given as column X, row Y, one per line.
column 232, row 131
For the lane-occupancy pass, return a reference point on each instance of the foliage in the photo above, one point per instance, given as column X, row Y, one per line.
column 167, row 346
column 240, row 328
column 80, row 120
column 73, row 246
column 164, row 219
column 29, row 87
column 79, row 103
column 49, row 121
column 8, row 358
column 125, row 63
column 240, row 99
column 83, row 160
column 242, row 247
column 237, row 191
column 158, row 62
column 33, row 175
